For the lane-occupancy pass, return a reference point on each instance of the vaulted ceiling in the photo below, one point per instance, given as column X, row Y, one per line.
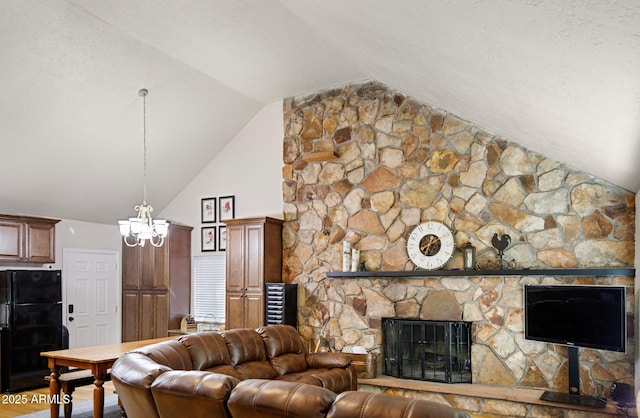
column 560, row 77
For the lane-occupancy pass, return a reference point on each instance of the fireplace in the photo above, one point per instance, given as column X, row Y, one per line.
column 438, row 351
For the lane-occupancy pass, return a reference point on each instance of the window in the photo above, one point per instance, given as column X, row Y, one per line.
column 209, row 282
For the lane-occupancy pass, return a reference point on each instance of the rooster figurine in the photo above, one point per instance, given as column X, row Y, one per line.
column 500, row 244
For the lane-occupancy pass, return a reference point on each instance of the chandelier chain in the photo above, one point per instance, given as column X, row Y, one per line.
column 143, row 93
column 137, row 230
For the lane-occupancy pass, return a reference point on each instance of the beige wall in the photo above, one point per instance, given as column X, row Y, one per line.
column 249, row 168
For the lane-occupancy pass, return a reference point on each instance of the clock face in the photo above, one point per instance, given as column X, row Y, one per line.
column 430, row 245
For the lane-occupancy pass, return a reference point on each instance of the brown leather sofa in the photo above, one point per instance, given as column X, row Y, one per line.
column 195, row 374
column 279, row 399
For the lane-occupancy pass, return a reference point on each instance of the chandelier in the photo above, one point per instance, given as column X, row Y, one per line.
column 136, row 231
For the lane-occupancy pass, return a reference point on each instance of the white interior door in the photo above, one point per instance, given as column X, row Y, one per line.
column 91, row 303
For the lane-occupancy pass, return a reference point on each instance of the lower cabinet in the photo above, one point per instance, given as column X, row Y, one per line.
column 245, row 310
column 148, row 314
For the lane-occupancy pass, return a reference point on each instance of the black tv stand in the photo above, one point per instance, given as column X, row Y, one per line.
column 573, row 399
column 573, row 396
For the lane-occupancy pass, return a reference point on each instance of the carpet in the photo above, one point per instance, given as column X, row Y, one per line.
column 84, row 409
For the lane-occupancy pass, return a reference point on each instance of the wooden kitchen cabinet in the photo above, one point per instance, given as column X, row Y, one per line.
column 254, row 257
column 156, row 286
column 27, row 239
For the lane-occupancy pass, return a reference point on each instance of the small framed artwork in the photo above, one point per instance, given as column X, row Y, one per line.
column 222, row 238
column 208, row 210
column 227, row 207
column 208, row 239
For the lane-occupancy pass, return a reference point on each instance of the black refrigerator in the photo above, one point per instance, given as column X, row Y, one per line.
column 31, row 322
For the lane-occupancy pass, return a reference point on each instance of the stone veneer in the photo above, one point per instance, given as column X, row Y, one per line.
column 402, row 162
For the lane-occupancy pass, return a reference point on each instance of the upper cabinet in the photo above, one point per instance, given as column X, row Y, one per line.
column 26, row 239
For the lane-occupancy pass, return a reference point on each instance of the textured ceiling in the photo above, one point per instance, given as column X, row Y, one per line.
column 562, row 78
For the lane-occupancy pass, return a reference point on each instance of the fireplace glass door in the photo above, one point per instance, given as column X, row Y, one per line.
column 438, row 351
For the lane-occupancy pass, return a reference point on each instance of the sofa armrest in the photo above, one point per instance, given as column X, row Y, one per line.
column 327, row 360
column 279, row 399
column 195, row 393
column 132, row 375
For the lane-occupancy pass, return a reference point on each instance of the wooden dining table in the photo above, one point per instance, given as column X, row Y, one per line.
column 98, row 359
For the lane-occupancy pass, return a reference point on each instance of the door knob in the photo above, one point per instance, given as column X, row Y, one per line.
column 71, row 319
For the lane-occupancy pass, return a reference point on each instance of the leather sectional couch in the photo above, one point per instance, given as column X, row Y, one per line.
column 248, row 373
column 197, row 372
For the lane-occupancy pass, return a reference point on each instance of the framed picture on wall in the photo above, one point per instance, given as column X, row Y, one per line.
column 208, row 210
column 208, row 238
column 227, row 207
column 222, row 238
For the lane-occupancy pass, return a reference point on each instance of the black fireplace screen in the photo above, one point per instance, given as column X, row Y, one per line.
column 438, row 351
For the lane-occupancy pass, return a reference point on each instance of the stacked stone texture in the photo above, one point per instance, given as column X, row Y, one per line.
column 401, row 163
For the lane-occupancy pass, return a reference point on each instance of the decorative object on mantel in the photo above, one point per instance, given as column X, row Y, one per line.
column 469, row 256
column 500, row 243
column 137, row 230
column 355, row 259
column 346, row 256
column 430, row 245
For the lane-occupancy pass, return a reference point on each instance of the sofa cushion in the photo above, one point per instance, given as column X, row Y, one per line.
column 227, row 369
column 370, row 405
column 248, row 355
column 337, row 380
column 289, row 363
column 277, row 399
column 200, row 393
column 206, row 349
column 281, row 339
column 284, row 348
column 244, row 345
column 304, row 377
column 169, row 353
column 256, row 370
column 328, row 360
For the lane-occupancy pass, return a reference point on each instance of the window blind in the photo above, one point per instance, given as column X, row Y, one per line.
column 209, row 282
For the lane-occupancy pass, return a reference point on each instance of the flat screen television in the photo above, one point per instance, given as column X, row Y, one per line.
column 580, row 316
column 576, row 316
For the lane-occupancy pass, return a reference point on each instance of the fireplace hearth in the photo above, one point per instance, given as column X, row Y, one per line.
column 437, row 351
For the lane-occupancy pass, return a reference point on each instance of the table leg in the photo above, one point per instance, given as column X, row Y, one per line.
column 54, row 391
column 98, row 397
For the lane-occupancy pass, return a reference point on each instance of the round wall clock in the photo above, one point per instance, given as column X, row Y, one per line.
column 430, row 245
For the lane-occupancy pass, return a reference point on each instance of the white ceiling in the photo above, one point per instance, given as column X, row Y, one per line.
column 559, row 77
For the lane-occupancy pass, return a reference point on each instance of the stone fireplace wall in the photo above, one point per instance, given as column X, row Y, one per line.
column 401, row 162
